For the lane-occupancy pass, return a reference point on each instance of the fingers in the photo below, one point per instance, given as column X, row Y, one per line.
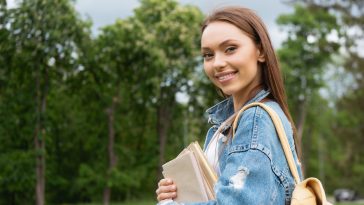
column 164, row 196
column 165, row 182
column 166, row 190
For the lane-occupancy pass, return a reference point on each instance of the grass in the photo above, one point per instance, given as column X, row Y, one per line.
column 152, row 202
column 132, row 202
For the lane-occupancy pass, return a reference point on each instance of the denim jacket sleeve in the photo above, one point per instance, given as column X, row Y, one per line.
column 255, row 170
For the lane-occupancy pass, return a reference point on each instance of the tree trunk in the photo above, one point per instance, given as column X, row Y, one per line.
column 111, row 152
column 307, row 150
column 39, row 135
column 164, row 116
column 301, row 118
column 302, row 111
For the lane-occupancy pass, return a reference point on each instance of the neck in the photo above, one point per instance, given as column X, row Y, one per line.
column 242, row 97
column 239, row 101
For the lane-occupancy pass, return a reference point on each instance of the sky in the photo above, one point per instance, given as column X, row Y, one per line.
column 105, row 12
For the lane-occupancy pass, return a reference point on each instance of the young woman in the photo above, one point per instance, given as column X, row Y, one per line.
column 239, row 59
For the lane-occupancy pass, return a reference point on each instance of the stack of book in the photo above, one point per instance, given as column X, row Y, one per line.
column 192, row 174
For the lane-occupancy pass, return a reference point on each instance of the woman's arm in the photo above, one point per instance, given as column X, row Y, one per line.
column 248, row 176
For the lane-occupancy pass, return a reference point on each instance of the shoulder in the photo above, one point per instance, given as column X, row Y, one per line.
column 255, row 127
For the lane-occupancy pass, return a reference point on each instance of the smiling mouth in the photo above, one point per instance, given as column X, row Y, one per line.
column 225, row 77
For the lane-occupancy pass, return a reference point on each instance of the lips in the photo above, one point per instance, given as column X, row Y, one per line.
column 225, row 76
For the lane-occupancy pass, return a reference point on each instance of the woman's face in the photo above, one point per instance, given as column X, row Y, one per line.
column 230, row 59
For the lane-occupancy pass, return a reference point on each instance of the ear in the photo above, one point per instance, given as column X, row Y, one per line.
column 261, row 56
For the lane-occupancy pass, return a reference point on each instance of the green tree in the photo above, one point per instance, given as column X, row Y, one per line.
column 93, row 109
column 334, row 125
column 44, row 35
column 175, row 31
column 346, row 156
column 124, row 57
column 305, row 55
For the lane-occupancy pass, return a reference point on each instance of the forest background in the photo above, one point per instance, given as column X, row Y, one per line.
column 91, row 118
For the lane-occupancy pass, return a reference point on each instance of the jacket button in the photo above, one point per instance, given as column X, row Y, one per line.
column 223, row 139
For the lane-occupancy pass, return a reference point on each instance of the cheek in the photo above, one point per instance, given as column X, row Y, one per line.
column 209, row 71
column 245, row 57
column 207, row 68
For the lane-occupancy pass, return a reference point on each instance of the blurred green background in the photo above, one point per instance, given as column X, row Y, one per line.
column 89, row 118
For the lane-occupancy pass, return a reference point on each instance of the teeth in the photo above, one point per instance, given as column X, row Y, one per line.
column 226, row 76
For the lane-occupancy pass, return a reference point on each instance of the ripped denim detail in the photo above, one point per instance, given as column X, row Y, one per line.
column 238, row 180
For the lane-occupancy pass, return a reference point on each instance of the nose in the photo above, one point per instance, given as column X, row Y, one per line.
column 219, row 62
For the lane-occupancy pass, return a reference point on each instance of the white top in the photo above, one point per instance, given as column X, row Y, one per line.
column 212, row 152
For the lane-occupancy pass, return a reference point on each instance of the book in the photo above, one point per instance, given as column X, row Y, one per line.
column 192, row 174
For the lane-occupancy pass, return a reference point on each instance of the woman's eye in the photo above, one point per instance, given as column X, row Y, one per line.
column 230, row 49
column 207, row 56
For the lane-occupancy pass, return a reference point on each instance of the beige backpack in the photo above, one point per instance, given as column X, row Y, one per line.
column 306, row 192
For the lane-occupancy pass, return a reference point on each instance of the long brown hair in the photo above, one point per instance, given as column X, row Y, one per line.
column 251, row 24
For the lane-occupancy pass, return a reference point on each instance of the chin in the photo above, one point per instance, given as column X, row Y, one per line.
column 227, row 92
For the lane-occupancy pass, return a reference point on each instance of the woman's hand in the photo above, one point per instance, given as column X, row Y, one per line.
column 166, row 190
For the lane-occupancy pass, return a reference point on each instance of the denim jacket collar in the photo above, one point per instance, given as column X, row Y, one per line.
column 221, row 111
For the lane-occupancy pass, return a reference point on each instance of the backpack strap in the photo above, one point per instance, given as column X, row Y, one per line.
column 281, row 134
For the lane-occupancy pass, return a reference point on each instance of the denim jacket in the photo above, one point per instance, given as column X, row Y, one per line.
column 253, row 167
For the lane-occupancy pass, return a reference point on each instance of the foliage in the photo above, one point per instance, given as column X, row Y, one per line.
column 136, row 67
column 331, row 81
column 39, row 49
column 307, row 51
column 127, row 64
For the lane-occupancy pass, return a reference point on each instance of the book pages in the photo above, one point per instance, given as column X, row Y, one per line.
column 185, row 173
column 208, row 173
column 192, row 174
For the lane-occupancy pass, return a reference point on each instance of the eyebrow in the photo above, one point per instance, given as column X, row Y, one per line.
column 227, row 41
